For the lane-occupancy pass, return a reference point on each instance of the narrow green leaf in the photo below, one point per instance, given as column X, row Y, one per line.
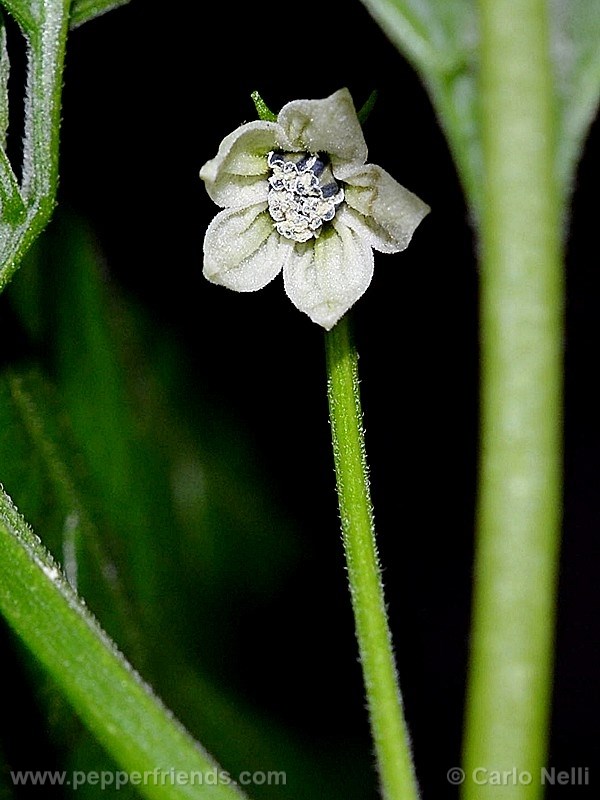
column 39, row 456
column 110, row 698
column 112, row 426
column 85, row 10
column 64, row 299
column 22, row 12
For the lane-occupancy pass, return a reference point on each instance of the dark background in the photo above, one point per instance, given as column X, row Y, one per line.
column 147, row 99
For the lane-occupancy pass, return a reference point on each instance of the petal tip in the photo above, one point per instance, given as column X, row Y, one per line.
column 325, row 318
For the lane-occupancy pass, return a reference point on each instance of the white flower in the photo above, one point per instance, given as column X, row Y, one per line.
column 298, row 196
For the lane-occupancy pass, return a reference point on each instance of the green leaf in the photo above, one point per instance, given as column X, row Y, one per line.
column 39, row 456
column 576, row 51
column 23, row 12
column 440, row 38
column 84, row 10
column 170, row 490
column 173, row 477
column 41, row 460
column 65, row 300
column 109, row 696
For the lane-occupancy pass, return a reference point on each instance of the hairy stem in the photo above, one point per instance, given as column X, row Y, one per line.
column 521, row 324
column 29, row 207
column 372, row 630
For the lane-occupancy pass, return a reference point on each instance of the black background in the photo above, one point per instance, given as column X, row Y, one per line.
column 150, row 91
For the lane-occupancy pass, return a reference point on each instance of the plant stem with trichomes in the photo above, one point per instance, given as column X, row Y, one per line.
column 520, row 468
column 388, row 726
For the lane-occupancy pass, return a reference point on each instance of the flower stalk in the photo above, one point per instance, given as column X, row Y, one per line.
column 388, row 726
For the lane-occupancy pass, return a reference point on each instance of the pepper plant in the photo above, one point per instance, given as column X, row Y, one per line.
column 515, row 87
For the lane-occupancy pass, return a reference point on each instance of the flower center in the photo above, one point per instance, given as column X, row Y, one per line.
column 303, row 194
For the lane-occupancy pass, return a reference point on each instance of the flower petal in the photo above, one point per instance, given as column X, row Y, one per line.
column 325, row 277
column 326, row 126
column 242, row 250
column 237, row 175
column 380, row 209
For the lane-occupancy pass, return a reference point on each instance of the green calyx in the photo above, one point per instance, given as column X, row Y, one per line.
column 262, row 109
column 265, row 113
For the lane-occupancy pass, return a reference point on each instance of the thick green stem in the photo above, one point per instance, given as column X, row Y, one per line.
column 372, row 630
column 521, row 322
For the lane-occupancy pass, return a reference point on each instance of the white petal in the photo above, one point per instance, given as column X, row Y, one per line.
column 380, row 209
column 326, row 126
column 326, row 276
column 237, row 175
column 242, row 250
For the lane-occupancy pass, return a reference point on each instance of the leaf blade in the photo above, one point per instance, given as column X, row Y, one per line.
column 84, row 10
column 110, row 697
column 576, row 55
column 440, row 38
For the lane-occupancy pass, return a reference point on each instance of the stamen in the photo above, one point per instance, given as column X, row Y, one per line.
column 303, row 195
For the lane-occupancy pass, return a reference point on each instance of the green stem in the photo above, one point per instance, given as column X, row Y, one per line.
column 30, row 208
column 521, row 321
column 372, row 630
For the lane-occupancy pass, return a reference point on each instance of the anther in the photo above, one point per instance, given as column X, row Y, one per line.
column 303, row 195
